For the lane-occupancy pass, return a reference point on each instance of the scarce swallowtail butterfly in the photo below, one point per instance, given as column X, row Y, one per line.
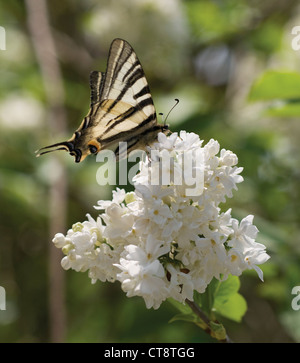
column 121, row 109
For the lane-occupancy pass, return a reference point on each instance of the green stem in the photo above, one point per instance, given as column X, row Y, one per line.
column 196, row 309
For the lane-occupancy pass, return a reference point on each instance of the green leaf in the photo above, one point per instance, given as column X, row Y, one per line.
column 183, row 308
column 276, row 85
column 287, row 110
column 191, row 318
column 227, row 287
column 228, row 302
column 234, row 307
column 220, row 297
column 185, row 314
column 206, row 299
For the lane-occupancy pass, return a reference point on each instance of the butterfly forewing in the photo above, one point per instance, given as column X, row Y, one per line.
column 125, row 80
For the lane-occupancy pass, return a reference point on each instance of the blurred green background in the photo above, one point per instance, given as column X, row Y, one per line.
column 232, row 65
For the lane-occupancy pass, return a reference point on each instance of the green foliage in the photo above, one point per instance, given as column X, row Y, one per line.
column 212, row 21
column 221, row 299
column 267, row 86
column 227, row 301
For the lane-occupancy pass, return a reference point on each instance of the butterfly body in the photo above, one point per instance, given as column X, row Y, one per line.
column 121, row 109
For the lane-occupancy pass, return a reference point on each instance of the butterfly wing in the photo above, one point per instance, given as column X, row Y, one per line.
column 121, row 108
column 120, row 99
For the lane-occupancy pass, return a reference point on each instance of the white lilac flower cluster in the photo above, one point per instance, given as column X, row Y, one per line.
column 160, row 242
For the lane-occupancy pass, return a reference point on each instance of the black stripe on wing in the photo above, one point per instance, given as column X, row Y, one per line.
column 115, row 65
column 131, row 81
column 116, row 62
column 97, row 80
column 134, row 65
column 123, row 134
column 130, row 112
column 142, row 92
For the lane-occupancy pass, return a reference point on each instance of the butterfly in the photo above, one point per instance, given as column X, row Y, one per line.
column 121, row 109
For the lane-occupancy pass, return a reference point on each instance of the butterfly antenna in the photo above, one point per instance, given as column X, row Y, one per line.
column 176, row 103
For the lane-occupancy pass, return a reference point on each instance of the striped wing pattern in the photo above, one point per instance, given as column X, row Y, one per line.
column 123, row 95
column 121, row 108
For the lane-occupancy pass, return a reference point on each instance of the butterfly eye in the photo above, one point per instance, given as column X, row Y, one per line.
column 93, row 149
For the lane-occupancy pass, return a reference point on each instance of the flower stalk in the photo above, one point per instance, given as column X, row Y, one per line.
column 223, row 338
